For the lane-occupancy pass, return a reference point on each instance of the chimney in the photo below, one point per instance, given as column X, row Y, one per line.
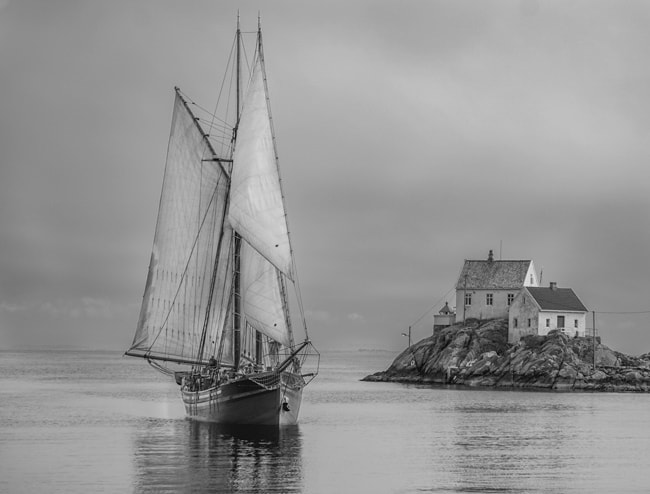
column 553, row 285
column 490, row 256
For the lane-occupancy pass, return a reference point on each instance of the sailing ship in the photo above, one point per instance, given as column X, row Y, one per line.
column 215, row 312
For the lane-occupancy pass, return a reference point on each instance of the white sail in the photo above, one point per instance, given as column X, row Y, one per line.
column 256, row 209
column 186, row 245
column 262, row 297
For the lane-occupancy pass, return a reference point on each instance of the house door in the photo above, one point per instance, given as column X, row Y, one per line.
column 560, row 322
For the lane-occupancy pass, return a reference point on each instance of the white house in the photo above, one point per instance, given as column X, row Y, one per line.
column 486, row 288
column 538, row 310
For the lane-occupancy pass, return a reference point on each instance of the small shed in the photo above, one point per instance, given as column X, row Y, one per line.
column 446, row 317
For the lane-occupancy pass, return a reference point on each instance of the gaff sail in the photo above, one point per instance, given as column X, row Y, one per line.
column 189, row 240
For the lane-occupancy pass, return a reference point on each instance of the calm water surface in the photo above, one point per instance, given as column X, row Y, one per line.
column 78, row 422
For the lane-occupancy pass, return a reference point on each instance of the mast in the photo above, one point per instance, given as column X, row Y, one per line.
column 237, row 239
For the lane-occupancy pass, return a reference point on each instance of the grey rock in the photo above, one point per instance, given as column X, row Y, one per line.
column 477, row 354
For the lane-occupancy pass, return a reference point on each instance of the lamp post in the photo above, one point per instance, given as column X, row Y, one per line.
column 409, row 335
column 593, row 339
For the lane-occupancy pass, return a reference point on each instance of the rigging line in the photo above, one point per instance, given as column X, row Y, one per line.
column 433, row 306
column 296, row 285
column 196, row 239
column 212, row 284
column 205, row 111
column 223, row 83
column 220, row 140
column 260, row 56
column 225, row 294
column 216, row 128
column 622, row 312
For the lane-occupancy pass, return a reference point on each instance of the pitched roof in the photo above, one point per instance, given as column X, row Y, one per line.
column 491, row 275
column 559, row 299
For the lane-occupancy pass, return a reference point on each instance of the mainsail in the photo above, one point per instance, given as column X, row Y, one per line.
column 190, row 238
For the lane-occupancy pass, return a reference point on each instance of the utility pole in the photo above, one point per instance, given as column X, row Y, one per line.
column 593, row 340
column 464, row 297
column 409, row 335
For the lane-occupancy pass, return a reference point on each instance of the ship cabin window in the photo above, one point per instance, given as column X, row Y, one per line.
column 488, row 299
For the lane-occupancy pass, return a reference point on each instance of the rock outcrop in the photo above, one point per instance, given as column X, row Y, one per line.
column 477, row 353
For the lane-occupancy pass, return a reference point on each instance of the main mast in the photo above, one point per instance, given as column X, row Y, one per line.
column 236, row 237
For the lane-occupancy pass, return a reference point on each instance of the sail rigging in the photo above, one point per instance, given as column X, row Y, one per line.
column 216, row 295
column 221, row 245
column 262, row 300
column 256, row 208
column 187, row 248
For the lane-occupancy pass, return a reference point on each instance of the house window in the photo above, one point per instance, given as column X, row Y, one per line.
column 514, row 322
column 468, row 299
column 560, row 322
column 575, row 323
column 488, row 299
column 529, row 323
column 511, row 297
column 531, row 279
column 548, row 323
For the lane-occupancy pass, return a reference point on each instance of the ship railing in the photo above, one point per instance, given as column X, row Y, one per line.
column 293, row 381
column 268, row 380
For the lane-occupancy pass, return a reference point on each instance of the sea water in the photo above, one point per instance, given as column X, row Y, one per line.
column 80, row 421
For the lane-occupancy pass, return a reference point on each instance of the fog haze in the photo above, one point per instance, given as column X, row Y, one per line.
column 412, row 136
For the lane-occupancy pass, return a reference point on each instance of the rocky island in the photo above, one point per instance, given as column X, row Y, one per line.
column 477, row 353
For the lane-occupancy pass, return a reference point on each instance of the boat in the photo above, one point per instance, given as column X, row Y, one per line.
column 215, row 312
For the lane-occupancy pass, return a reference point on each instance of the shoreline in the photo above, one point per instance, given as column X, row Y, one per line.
column 476, row 355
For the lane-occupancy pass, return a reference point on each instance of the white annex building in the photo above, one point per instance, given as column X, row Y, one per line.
column 538, row 310
column 487, row 288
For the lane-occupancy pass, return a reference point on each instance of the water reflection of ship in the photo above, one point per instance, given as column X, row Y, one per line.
column 189, row 456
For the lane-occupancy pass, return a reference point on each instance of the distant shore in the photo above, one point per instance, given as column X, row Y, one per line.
column 477, row 353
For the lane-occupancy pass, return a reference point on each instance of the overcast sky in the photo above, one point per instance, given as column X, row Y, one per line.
column 412, row 135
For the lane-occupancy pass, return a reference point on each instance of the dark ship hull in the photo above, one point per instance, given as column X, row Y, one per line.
column 259, row 399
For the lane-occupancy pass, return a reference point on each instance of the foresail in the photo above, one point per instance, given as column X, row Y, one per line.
column 186, row 246
column 261, row 296
column 256, row 209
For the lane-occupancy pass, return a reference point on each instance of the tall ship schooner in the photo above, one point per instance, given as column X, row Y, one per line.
column 215, row 312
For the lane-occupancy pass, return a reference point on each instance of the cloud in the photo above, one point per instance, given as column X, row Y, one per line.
column 356, row 317
column 318, row 315
column 86, row 307
column 8, row 307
